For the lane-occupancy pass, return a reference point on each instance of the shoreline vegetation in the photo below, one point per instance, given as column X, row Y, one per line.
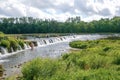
column 96, row 60
column 89, row 60
column 9, row 44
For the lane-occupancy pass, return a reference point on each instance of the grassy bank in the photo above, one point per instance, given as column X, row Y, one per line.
column 96, row 60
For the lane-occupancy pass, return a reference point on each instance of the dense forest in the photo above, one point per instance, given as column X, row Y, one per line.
column 71, row 25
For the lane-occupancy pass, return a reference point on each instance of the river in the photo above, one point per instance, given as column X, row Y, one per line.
column 12, row 63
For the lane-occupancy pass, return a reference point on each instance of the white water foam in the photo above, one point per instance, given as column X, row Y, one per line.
column 41, row 42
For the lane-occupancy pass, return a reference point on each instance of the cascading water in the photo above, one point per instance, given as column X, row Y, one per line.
column 52, row 40
column 38, row 43
column 52, row 47
column 19, row 47
column 25, row 45
column 12, row 50
column 3, row 50
column 41, row 42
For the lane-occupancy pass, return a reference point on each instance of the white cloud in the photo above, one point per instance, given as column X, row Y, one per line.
column 60, row 9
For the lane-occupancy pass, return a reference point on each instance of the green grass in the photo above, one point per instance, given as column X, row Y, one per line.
column 98, row 60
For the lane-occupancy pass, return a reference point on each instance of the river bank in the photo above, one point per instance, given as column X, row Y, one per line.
column 96, row 60
column 49, row 51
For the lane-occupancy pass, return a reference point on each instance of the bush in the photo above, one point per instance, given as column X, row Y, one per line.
column 39, row 68
column 13, row 44
column 106, row 48
column 117, row 60
column 21, row 43
column 98, row 61
column 1, row 34
column 5, row 43
column 65, row 56
column 82, row 64
column 80, row 45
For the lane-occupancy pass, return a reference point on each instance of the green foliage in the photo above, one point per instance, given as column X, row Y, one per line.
column 10, row 43
column 13, row 44
column 21, row 43
column 1, row 34
column 39, row 68
column 100, row 60
column 81, row 45
column 71, row 25
column 106, row 48
column 117, row 59
column 5, row 43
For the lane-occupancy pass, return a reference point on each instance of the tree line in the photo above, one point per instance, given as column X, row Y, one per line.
column 71, row 25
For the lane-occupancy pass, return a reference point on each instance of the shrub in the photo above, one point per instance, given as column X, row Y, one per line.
column 5, row 43
column 21, row 43
column 82, row 46
column 13, row 44
column 106, row 48
column 1, row 34
column 117, row 60
column 82, row 64
column 77, row 44
column 39, row 68
column 65, row 56
column 98, row 61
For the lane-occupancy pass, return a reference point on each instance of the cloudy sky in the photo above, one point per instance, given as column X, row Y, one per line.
column 60, row 9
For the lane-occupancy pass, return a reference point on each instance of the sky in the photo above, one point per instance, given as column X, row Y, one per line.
column 60, row 10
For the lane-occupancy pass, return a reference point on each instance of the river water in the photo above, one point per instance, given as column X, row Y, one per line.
column 12, row 63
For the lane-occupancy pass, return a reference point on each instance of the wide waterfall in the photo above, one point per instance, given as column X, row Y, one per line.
column 38, row 42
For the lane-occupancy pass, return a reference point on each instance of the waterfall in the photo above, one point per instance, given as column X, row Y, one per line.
column 12, row 49
column 28, row 46
column 19, row 47
column 50, row 41
column 45, row 42
column 25, row 46
column 61, row 38
column 64, row 38
column 3, row 50
column 74, row 36
column 41, row 42
column 56, row 39
column 38, row 43
column 53, row 40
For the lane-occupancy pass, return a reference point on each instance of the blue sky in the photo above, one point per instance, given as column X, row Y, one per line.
column 60, row 9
